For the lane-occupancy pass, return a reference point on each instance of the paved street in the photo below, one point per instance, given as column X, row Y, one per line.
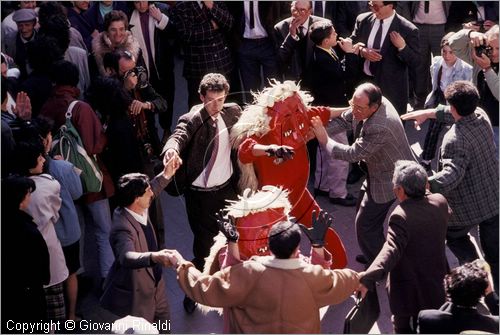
column 179, row 236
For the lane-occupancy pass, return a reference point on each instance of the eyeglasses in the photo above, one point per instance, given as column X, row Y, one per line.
column 375, row 6
column 362, row 108
column 300, row 10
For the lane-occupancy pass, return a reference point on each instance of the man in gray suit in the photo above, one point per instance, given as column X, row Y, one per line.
column 134, row 285
column 416, row 274
column 380, row 141
column 294, row 45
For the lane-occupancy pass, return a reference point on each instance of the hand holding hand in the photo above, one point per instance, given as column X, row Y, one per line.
column 227, row 226
column 362, row 290
column 319, row 130
column 171, row 165
column 397, row 40
column 283, row 152
column 317, row 232
column 174, row 257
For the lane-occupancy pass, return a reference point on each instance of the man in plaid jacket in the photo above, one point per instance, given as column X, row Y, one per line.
column 201, row 26
column 468, row 173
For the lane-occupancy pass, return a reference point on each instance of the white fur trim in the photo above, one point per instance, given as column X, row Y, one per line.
column 254, row 202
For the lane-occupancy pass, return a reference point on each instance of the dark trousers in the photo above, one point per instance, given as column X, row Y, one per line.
column 432, row 139
column 459, row 242
column 166, row 88
column 253, row 55
column 404, row 324
column 370, row 218
column 430, row 36
column 201, row 208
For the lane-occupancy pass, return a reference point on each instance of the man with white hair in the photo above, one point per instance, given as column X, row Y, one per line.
column 416, row 273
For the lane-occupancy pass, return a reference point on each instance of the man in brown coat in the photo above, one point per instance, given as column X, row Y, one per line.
column 414, row 252
column 281, row 293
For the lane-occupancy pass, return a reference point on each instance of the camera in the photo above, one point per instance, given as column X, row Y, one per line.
column 141, row 74
column 483, row 49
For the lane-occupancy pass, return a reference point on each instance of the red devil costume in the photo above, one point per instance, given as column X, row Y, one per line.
column 282, row 117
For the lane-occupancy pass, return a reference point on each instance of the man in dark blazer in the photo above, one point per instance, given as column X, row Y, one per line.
column 135, row 285
column 464, row 286
column 295, row 46
column 253, row 41
column 387, row 53
column 209, row 174
column 380, row 141
column 415, row 273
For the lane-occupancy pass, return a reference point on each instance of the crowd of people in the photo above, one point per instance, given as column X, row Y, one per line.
column 106, row 69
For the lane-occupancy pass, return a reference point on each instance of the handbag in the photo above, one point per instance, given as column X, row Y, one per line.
column 363, row 315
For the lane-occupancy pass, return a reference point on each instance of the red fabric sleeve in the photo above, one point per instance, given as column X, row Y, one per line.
column 245, row 154
column 321, row 111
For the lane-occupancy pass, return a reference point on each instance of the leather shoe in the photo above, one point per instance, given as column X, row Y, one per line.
column 361, row 259
column 189, row 305
column 348, row 201
column 320, row 193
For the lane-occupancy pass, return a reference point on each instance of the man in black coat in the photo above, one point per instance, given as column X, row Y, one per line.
column 389, row 52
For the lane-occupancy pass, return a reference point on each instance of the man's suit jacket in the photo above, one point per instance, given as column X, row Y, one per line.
column 288, row 52
column 205, row 48
column 130, row 288
column 450, row 319
column 392, row 72
column 415, row 273
column 192, row 138
column 381, row 142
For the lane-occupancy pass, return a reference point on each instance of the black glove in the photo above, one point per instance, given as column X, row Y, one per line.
column 227, row 226
column 317, row 232
column 282, row 152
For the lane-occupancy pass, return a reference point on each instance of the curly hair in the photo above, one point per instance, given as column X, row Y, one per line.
column 213, row 82
column 466, row 284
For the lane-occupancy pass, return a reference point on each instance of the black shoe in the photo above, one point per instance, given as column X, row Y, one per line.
column 354, row 176
column 320, row 193
column 189, row 305
column 361, row 259
column 348, row 201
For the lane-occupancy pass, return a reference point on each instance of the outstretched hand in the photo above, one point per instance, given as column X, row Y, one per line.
column 227, row 226
column 317, row 232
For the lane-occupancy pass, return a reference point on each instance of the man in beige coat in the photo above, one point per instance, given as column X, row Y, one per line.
column 281, row 293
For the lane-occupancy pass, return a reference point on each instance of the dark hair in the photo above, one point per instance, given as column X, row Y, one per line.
column 65, row 73
column 49, row 9
column 320, row 30
column 14, row 190
column 115, row 15
column 130, row 187
column 393, row 3
column 462, row 95
column 43, row 52
column 466, row 284
column 26, row 154
column 111, row 59
column 44, row 125
column 213, row 82
column 373, row 93
column 58, row 28
column 284, row 238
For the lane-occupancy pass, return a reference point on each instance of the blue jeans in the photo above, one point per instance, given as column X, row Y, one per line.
column 97, row 218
